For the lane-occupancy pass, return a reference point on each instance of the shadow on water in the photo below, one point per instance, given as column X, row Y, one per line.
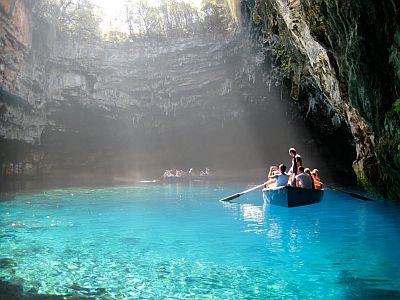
column 363, row 288
column 9, row 189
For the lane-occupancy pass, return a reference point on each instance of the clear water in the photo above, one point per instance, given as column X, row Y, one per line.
column 179, row 242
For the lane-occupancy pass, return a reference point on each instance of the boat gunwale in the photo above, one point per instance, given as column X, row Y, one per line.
column 289, row 196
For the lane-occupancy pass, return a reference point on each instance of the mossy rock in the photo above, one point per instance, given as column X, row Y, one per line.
column 388, row 154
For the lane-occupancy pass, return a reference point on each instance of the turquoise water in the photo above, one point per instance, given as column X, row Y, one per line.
column 179, row 242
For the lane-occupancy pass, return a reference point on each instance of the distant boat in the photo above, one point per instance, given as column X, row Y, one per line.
column 292, row 196
column 184, row 178
column 172, row 176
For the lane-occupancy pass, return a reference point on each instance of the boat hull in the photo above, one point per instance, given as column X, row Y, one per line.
column 173, row 179
column 292, row 196
column 177, row 179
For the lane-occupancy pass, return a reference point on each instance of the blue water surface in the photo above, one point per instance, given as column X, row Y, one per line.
column 176, row 241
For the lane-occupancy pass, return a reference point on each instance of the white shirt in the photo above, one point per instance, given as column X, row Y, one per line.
column 305, row 180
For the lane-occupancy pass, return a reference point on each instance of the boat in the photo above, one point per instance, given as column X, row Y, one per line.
column 184, row 178
column 289, row 196
column 175, row 176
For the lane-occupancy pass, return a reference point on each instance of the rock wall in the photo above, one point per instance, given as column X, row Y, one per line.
column 110, row 108
column 21, row 115
column 184, row 102
column 103, row 106
column 350, row 51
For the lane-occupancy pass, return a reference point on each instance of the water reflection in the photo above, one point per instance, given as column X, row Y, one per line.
column 338, row 236
column 286, row 229
column 252, row 213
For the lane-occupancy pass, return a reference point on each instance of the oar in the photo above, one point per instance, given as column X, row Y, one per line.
column 234, row 196
column 349, row 193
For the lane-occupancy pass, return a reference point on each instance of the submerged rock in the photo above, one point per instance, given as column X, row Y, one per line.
column 7, row 263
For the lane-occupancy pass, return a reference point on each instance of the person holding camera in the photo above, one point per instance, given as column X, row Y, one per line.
column 278, row 176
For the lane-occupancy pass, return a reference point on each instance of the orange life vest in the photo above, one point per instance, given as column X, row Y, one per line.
column 317, row 182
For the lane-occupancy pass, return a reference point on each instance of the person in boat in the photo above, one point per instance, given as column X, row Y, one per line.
column 317, row 179
column 308, row 171
column 303, row 179
column 296, row 163
column 278, row 176
column 206, row 172
column 168, row 173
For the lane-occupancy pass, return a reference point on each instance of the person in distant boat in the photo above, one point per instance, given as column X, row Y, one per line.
column 277, row 175
column 205, row 173
column 303, row 179
column 308, row 171
column 317, row 179
column 296, row 163
column 168, row 173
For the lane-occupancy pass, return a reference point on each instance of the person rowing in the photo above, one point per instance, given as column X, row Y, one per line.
column 278, row 176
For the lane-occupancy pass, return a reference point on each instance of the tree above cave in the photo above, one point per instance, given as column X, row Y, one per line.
column 76, row 19
column 80, row 19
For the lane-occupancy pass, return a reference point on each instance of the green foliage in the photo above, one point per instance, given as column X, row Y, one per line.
column 396, row 105
column 173, row 18
column 285, row 59
column 72, row 18
column 116, row 36
column 217, row 17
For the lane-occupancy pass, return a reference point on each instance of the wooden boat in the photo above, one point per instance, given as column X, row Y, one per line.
column 292, row 196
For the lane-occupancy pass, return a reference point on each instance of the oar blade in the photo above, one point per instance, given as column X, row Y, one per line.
column 360, row 197
column 350, row 193
column 231, row 197
column 242, row 193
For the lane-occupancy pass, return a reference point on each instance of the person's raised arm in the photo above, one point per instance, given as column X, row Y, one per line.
column 271, row 174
